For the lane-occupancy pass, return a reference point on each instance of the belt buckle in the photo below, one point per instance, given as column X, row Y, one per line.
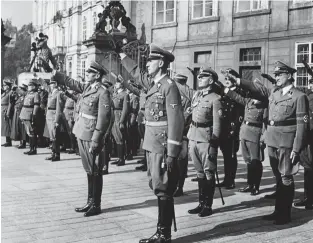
column 196, row 124
column 272, row 123
column 247, row 123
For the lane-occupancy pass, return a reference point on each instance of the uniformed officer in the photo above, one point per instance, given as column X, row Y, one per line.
column 287, row 131
column 29, row 115
column 203, row 138
column 250, row 134
column 121, row 109
column 41, row 121
column 132, row 126
column 186, row 97
column 18, row 132
column 5, row 119
column 90, row 127
column 55, row 108
column 69, row 117
column 307, row 202
column 164, row 121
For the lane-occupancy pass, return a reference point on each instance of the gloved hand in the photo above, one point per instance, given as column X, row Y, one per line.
column 121, row 126
column 218, row 88
column 56, row 125
column 231, row 75
column 33, row 119
column 170, row 163
column 295, row 157
column 212, row 154
column 94, row 147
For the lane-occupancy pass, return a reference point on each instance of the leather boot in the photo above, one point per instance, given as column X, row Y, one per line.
column 163, row 233
column 95, row 207
column 30, row 145
column 183, row 167
column 209, row 189
column 285, row 203
column 56, row 157
column 121, row 155
column 51, row 156
column 199, row 208
column 275, row 214
column 34, row 146
column 307, row 202
column 8, row 142
column 22, row 144
column 250, row 175
column 118, row 151
column 258, row 171
column 86, row 207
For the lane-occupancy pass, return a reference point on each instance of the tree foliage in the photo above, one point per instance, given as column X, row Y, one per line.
column 17, row 59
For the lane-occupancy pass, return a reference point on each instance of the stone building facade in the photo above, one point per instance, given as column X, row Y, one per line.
column 248, row 35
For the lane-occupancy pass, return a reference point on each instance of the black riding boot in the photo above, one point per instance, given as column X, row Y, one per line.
column 30, row 145
column 95, row 207
column 22, row 144
column 285, row 203
column 183, row 167
column 163, row 233
column 121, row 155
column 86, row 207
column 209, row 189
column 307, row 202
column 258, row 171
column 8, row 142
column 34, row 146
column 274, row 215
column 250, row 175
column 52, row 156
column 199, row 208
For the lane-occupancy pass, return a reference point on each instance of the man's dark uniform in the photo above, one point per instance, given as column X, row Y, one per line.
column 121, row 109
column 18, row 132
column 250, row 134
column 28, row 116
column 287, row 134
column 90, row 127
column 41, row 121
column 186, row 97
column 5, row 116
column 164, row 121
column 69, row 115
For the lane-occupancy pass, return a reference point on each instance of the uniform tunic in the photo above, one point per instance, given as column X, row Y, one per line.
column 288, row 125
column 69, row 114
column 29, row 110
column 93, row 119
column 164, row 121
column 5, row 122
column 121, row 110
column 18, row 130
column 251, row 129
column 206, row 127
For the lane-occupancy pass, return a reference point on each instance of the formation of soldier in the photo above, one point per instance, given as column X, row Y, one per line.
column 171, row 119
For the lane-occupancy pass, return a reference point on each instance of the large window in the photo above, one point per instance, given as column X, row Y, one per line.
column 250, row 5
column 203, row 8
column 165, row 11
column 250, row 54
column 84, row 28
column 304, row 51
column 83, row 69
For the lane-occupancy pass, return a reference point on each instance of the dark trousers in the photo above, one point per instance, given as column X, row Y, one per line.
column 229, row 149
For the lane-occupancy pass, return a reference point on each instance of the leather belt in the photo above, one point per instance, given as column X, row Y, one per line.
column 4, row 104
column 90, row 117
column 142, row 109
column 28, row 106
column 156, row 123
column 53, row 109
column 69, row 108
column 282, row 123
column 253, row 124
column 204, row 124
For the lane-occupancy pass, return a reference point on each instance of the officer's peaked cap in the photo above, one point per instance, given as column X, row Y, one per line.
column 281, row 67
column 179, row 78
column 208, row 71
column 33, row 82
column 8, row 82
column 96, row 68
column 157, row 52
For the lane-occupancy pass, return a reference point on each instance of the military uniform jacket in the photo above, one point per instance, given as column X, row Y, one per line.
column 55, row 106
column 121, row 106
column 5, row 101
column 292, row 107
column 252, row 127
column 95, row 109
column 19, row 100
column 43, row 98
column 69, row 109
column 30, row 106
column 134, row 108
column 206, row 109
column 162, row 106
column 309, row 93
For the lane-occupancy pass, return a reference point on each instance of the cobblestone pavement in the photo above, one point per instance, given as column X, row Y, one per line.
column 38, row 200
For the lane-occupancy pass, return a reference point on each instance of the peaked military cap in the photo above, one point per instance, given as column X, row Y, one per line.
column 8, row 82
column 33, row 82
column 206, row 72
column 182, row 79
column 157, row 52
column 281, row 67
column 52, row 81
column 23, row 87
column 95, row 67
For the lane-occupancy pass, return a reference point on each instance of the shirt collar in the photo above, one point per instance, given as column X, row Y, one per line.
column 156, row 80
column 287, row 88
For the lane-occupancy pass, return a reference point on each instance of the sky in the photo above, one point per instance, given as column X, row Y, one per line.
column 20, row 12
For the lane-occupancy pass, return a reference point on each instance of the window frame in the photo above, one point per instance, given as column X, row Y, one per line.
column 164, row 12
column 214, row 10
column 83, row 68
column 251, row 6
column 309, row 62
column 241, row 50
column 84, row 26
